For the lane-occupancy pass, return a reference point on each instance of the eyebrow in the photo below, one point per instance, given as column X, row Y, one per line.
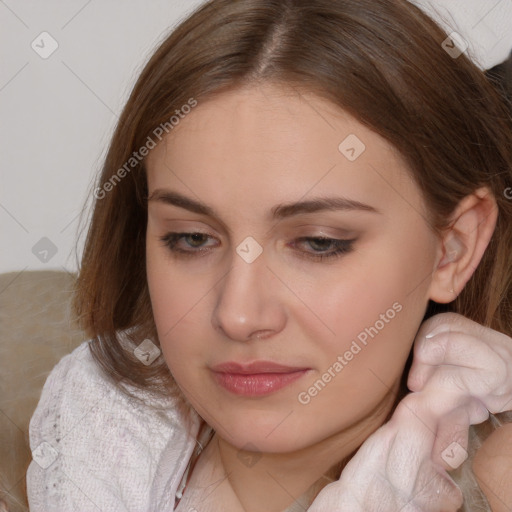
column 279, row 211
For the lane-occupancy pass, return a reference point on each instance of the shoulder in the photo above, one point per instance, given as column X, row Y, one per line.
column 492, row 466
column 92, row 442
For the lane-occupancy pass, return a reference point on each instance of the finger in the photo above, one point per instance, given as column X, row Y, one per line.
column 435, row 491
column 450, row 322
column 458, row 350
column 444, row 323
column 451, row 443
column 462, row 349
column 491, row 387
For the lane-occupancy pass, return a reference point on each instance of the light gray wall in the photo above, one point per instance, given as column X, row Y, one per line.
column 57, row 113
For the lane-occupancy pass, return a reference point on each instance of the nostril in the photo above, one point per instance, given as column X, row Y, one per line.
column 261, row 335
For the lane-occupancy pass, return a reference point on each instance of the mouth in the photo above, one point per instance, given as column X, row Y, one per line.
column 256, row 379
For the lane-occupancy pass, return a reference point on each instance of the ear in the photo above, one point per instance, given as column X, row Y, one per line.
column 463, row 244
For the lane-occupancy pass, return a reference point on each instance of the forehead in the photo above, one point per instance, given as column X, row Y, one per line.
column 257, row 146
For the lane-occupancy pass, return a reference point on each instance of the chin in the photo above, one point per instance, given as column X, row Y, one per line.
column 266, row 433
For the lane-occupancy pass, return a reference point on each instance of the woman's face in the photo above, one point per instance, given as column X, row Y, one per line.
column 312, row 251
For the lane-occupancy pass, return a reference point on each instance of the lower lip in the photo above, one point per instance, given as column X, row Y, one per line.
column 259, row 384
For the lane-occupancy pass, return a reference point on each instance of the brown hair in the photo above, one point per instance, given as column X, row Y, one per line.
column 380, row 60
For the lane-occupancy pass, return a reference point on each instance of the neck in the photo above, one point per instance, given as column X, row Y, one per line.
column 271, row 482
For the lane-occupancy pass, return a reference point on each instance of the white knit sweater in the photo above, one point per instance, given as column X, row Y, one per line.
column 94, row 448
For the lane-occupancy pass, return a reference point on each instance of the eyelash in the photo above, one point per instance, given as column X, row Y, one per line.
column 342, row 247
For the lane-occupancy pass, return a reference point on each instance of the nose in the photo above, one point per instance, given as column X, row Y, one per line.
column 249, row 304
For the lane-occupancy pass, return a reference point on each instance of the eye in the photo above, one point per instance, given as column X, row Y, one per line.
column 314, row 248
column 322, row 247
column 193, row 243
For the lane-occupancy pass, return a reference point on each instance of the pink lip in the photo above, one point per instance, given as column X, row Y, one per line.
column 256, row 379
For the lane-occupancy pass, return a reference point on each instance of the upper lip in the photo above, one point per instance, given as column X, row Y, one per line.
column 255, row 367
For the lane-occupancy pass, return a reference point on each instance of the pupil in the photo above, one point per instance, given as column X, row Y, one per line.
column 320, row 244
column 197, row 238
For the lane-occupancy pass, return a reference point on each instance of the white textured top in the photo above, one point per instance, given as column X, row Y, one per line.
column 94, row 448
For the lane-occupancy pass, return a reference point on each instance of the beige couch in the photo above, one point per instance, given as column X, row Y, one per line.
column 35, row 332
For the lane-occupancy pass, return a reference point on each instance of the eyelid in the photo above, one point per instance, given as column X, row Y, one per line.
column 342, row 246
column 319, row 230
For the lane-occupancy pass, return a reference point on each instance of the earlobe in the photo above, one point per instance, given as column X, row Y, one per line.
column 463, row 244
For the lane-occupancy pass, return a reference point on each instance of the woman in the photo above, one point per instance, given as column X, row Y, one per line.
column 292, row 189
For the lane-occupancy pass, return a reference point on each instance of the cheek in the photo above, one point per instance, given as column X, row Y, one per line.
column 173, row 292
column 178, row 302
column 359, row 365
column 350, row 299
column 373, row 312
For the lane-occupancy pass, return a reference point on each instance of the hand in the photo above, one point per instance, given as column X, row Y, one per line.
column 458, row 357
column 452, row 351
